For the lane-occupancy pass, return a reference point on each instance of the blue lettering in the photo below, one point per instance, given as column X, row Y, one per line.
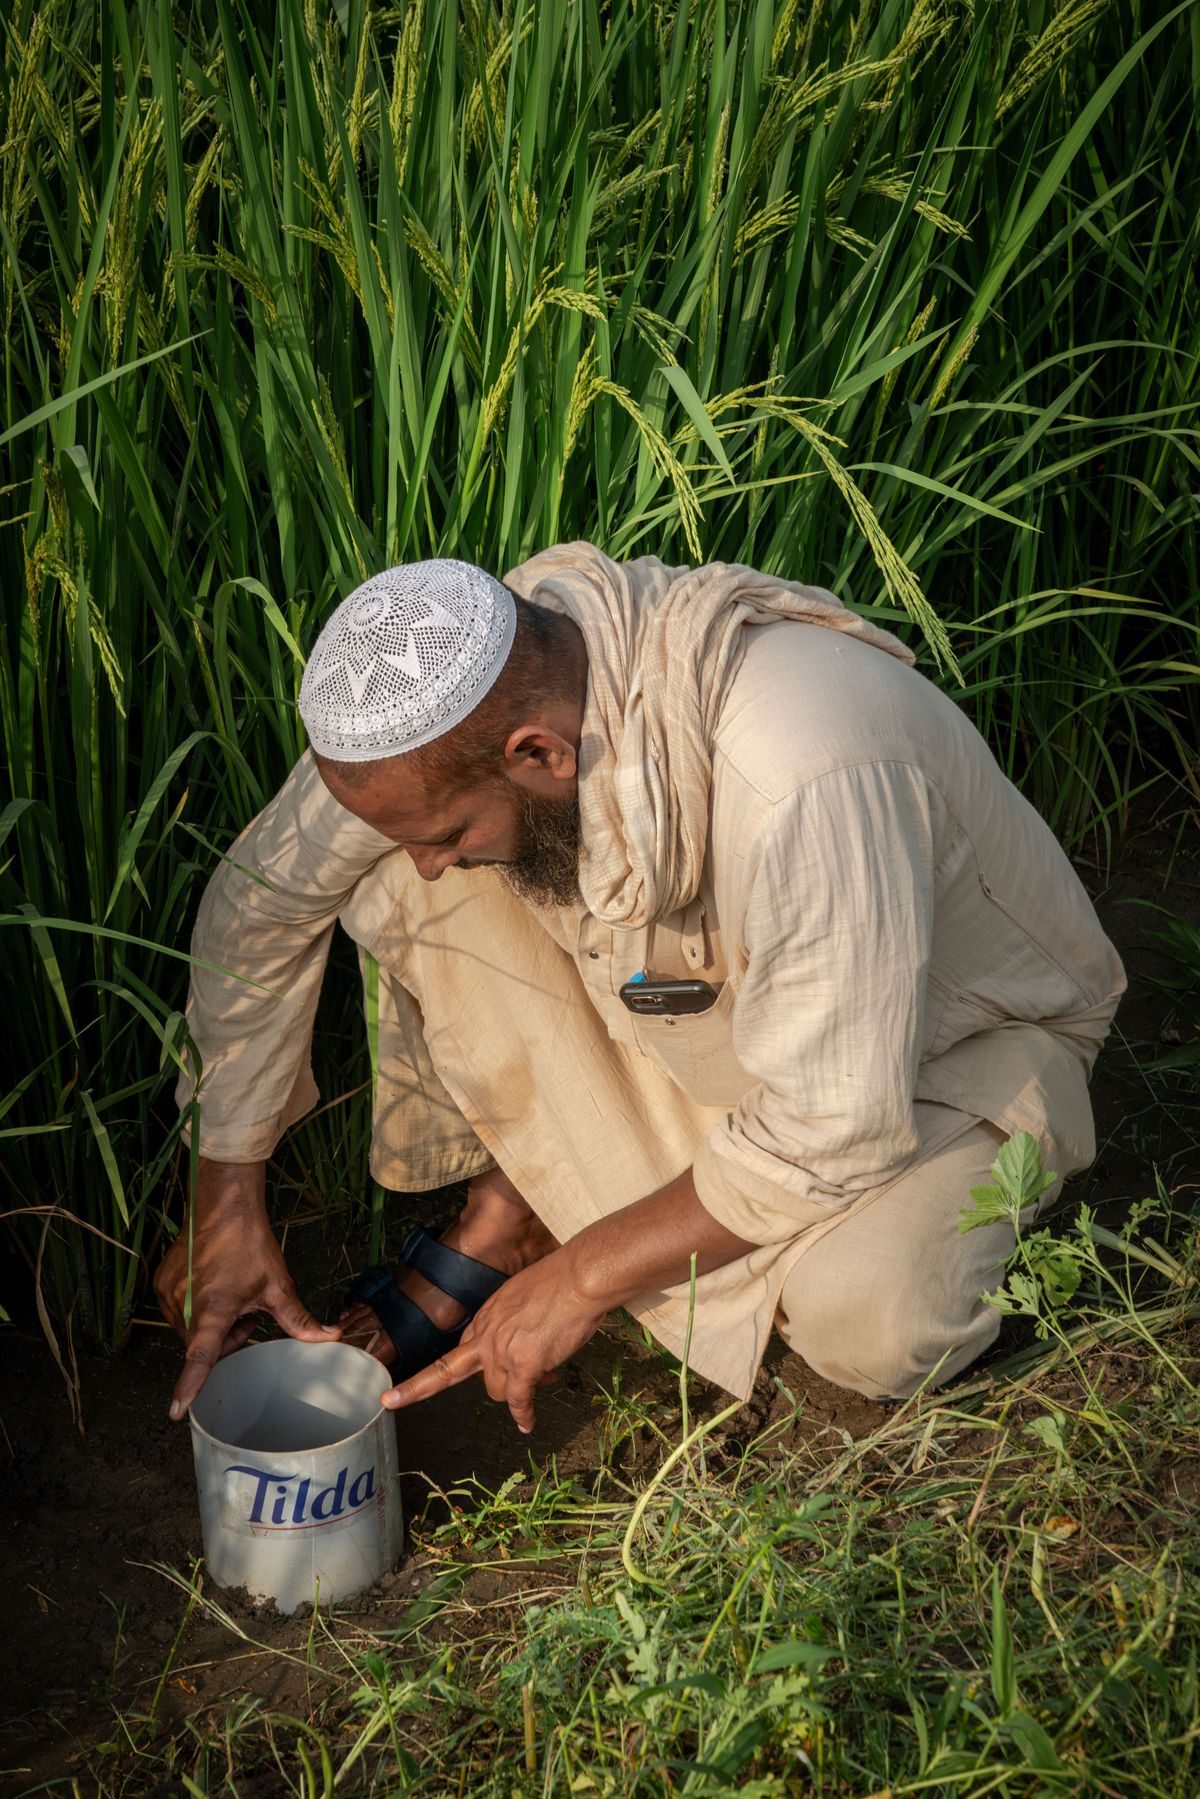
column 368, row 1491
column 329, row 1502
column 264, row 1477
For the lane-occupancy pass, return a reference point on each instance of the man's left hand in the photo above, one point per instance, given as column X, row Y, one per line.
column 517, row 1340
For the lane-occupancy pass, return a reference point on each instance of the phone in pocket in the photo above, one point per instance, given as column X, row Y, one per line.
column 653, row 998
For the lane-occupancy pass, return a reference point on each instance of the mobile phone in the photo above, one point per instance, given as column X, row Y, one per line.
column 649, row 996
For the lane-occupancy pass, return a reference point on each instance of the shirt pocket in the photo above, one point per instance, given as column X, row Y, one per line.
column 937, row 997
column 964, row 1015
column 696, row 1050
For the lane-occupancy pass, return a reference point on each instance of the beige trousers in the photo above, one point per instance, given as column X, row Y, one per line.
column 891, row 1298
column 486, row 1027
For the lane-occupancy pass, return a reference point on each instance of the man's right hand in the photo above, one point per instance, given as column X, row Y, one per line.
column 237, row 1269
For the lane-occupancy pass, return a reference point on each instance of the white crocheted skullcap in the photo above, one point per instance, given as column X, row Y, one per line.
column 405, row 658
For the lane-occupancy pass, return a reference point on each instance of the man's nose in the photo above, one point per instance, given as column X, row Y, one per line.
column 429, row 863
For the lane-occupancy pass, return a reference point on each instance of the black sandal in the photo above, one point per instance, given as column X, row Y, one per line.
column 418, row 1340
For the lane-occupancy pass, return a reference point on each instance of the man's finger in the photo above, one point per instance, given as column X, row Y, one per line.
column 203, row 1351
column 170, row 1311
column 298, row 1321
column 520, row 1402
column 238, row 1336
column 456, row 1365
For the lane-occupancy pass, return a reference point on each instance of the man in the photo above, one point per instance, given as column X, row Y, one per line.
column 562, row 812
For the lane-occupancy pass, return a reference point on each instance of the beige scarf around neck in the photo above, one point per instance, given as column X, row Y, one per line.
column 662, row 645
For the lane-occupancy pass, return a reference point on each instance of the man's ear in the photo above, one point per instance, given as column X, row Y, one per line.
column 538, row 758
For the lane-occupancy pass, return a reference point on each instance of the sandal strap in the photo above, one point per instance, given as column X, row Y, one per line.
column 461, row 1277
column 417, row 1338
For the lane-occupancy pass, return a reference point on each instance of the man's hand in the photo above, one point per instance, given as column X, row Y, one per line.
column 517, row 1340
column 237, row 1269
column 525, row 1332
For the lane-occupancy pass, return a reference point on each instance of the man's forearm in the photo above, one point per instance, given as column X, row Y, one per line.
column 649, row 1245
column 222, row 1186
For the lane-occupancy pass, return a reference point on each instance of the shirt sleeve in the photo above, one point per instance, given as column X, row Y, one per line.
column 259, row 950
column 828, row 1017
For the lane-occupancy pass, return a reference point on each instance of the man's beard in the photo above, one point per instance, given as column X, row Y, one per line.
column 545, row 869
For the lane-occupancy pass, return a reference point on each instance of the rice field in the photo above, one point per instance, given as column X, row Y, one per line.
column 897, row 296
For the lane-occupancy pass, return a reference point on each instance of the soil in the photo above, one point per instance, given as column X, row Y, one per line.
column 102, row 1528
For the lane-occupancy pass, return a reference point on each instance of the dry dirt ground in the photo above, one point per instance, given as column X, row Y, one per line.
column 94, row 1524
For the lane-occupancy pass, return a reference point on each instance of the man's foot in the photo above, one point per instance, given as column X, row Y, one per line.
column 495, row 1227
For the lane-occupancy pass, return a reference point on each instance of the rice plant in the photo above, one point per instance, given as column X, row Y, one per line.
column 899, row 297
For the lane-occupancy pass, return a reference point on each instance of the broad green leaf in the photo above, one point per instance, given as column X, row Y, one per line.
column 990, row 1206
column 1020, row 1169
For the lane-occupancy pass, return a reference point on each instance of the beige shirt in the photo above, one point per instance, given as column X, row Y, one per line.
column 885, row 917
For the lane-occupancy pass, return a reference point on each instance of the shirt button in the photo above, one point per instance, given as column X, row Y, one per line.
column 593, row 955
